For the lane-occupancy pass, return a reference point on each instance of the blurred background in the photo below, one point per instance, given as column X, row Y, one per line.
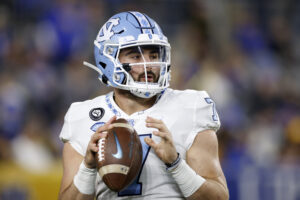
column 245, row 53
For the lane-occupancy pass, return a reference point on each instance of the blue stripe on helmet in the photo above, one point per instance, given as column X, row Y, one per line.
column 144, row 22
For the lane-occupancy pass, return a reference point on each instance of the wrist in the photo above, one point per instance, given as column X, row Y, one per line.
column 174, row 163
column 89, row 166
column 85, row 179
column 186, row 178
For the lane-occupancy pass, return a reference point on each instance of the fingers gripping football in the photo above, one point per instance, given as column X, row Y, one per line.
column 165, row 149
column 90, row 156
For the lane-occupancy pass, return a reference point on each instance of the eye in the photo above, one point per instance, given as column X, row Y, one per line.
column 135, row 56
column 154, row 56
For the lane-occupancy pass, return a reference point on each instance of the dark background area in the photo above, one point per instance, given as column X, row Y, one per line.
column 245, row 53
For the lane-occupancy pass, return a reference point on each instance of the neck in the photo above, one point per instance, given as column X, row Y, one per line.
column 130, row 103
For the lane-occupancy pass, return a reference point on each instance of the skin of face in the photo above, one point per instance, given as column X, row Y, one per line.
column 133, row 55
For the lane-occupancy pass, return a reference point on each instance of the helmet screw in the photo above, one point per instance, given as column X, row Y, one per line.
column 110, row 50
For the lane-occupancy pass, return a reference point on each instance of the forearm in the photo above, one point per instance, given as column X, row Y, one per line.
column 72, row 193
column 194, row 186
column 210, row 190
column 82, row 186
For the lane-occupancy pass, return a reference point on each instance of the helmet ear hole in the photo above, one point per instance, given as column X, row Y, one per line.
column 103, row 65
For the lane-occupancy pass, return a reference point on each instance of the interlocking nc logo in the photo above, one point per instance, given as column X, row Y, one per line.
column 106, row 32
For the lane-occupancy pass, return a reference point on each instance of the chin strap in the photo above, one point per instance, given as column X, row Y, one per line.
column 93, row 67
column 96, row 69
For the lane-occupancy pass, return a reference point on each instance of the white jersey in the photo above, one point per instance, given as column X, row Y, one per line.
column 185, row 113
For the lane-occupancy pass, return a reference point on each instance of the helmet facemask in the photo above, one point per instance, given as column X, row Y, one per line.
column 144, row 68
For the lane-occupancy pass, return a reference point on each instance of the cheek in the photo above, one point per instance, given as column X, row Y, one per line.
column 123, row 59
column 140, row 69
column 137, row 69
column 156, row 71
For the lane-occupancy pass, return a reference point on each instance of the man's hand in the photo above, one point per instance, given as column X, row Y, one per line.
column 92, row 149
column 165, row 149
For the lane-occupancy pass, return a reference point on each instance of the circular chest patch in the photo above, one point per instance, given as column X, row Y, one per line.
column 96, row 113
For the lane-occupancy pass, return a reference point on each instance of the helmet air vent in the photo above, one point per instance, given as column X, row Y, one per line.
column 103, row 65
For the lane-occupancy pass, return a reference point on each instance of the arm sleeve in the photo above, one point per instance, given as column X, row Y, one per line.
column 205, row 116
column 67, row 134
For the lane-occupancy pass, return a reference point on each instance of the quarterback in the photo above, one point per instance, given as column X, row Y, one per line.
column 177, row 129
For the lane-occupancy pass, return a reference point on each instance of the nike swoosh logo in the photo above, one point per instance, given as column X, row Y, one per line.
column 119, row 153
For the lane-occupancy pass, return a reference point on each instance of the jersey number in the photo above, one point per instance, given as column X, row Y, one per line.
column 136, row 187
column 214, row 115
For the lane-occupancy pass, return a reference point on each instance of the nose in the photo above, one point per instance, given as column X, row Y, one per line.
column 146, row 57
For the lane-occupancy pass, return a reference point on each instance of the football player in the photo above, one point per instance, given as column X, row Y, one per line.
column 177, row 129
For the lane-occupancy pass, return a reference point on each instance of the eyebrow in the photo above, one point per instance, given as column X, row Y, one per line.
column 132, row 51
column 135, row 50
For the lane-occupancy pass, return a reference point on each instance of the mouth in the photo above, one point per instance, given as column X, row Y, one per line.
column 150, row 77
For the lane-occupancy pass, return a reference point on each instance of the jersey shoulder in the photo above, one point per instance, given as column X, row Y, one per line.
column 77, row 109
column 196, row 103
column 185, row 96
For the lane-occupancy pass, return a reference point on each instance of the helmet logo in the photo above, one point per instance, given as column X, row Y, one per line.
column 106, row 31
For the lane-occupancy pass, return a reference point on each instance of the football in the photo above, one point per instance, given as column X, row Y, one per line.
column 119, row 156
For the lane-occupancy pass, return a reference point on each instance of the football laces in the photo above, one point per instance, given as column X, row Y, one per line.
column 101, row 143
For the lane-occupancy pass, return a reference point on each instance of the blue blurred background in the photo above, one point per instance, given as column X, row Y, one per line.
column 245, row 53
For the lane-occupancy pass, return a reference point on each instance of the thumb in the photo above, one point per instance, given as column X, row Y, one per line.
column 150, row 142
